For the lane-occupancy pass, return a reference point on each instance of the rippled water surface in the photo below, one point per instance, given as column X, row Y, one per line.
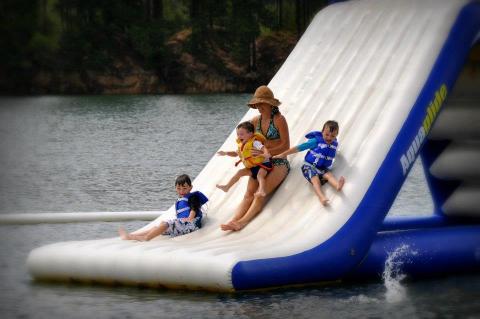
column 121, row 153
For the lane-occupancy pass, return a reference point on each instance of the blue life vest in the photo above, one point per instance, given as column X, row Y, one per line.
column 323, row 154
column 182, row 206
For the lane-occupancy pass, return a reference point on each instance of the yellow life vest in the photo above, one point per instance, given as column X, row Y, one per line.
column 245, row 151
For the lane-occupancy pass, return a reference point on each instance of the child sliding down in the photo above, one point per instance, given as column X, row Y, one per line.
column 322, row 148
column 253, row 154
column 188, row 214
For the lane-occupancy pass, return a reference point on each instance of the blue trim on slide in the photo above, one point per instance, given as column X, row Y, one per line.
column 341, row 253
column 413, row 222
column 393, row 223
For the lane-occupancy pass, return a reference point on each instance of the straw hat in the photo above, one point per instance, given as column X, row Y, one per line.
column 263, row 95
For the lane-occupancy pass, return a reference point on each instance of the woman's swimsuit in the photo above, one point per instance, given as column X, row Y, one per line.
column 272, row 131
column 272, row 134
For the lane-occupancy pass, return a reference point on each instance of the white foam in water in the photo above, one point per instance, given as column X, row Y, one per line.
column 392, row 275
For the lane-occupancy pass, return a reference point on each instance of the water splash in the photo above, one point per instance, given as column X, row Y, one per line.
column 392, row 275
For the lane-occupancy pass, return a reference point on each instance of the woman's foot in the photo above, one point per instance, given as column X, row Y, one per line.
column 224, row 188
column 236, row 225
column 123, row 233
column 232, row 225
column 224, row 227
column 260, row 193
column 341, row 182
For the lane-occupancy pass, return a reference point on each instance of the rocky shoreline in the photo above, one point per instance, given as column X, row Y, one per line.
column 182, row 73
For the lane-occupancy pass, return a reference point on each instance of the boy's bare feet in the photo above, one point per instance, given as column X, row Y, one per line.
column 123, row 233
column 324, row 201
column 224, row 188
column 341, row 182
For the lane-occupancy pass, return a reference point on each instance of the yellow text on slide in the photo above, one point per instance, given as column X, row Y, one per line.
column 433, row 109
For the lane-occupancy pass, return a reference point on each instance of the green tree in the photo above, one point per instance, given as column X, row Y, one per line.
column 244, row 29
column 26, row 42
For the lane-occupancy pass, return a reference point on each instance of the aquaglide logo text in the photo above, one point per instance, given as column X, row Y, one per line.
column 407, row 159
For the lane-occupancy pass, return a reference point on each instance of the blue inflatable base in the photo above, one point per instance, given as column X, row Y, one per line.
column 420, row 253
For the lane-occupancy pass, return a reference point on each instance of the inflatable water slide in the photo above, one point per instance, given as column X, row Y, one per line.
column 390, row 72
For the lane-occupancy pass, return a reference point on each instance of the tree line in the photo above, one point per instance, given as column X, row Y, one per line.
column 74, row 35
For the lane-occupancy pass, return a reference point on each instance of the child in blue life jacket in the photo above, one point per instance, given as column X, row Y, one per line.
column 322, row 148
column 189, row 214
column 254, row 156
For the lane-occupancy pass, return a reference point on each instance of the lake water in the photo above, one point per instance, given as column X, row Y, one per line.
column 121, row 153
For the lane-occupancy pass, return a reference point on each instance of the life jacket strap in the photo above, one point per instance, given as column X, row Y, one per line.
column 268, row 169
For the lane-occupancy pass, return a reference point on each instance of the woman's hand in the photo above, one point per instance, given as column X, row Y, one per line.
column 256, row 152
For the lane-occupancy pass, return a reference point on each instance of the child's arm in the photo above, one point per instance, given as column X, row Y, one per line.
column 299, row 148
column 228, row 153
column 195, row 201
column 290, row 151
column 192, row 215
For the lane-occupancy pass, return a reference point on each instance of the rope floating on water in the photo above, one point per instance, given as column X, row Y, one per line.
column 38, row 218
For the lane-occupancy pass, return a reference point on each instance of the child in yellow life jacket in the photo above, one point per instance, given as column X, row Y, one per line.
column 255, row 166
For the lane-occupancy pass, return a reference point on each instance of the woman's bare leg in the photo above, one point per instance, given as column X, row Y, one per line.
column 318, row 190
column 239, row 174
column 272, row 181
column 244, row 205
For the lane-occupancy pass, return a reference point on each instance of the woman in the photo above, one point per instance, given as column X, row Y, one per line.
column 272, row 124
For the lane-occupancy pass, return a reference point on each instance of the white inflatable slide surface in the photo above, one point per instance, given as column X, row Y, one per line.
column 362, row 63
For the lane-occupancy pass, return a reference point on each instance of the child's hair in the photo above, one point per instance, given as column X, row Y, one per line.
column 247, row 126
column 331, row 125
column 183, row 179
